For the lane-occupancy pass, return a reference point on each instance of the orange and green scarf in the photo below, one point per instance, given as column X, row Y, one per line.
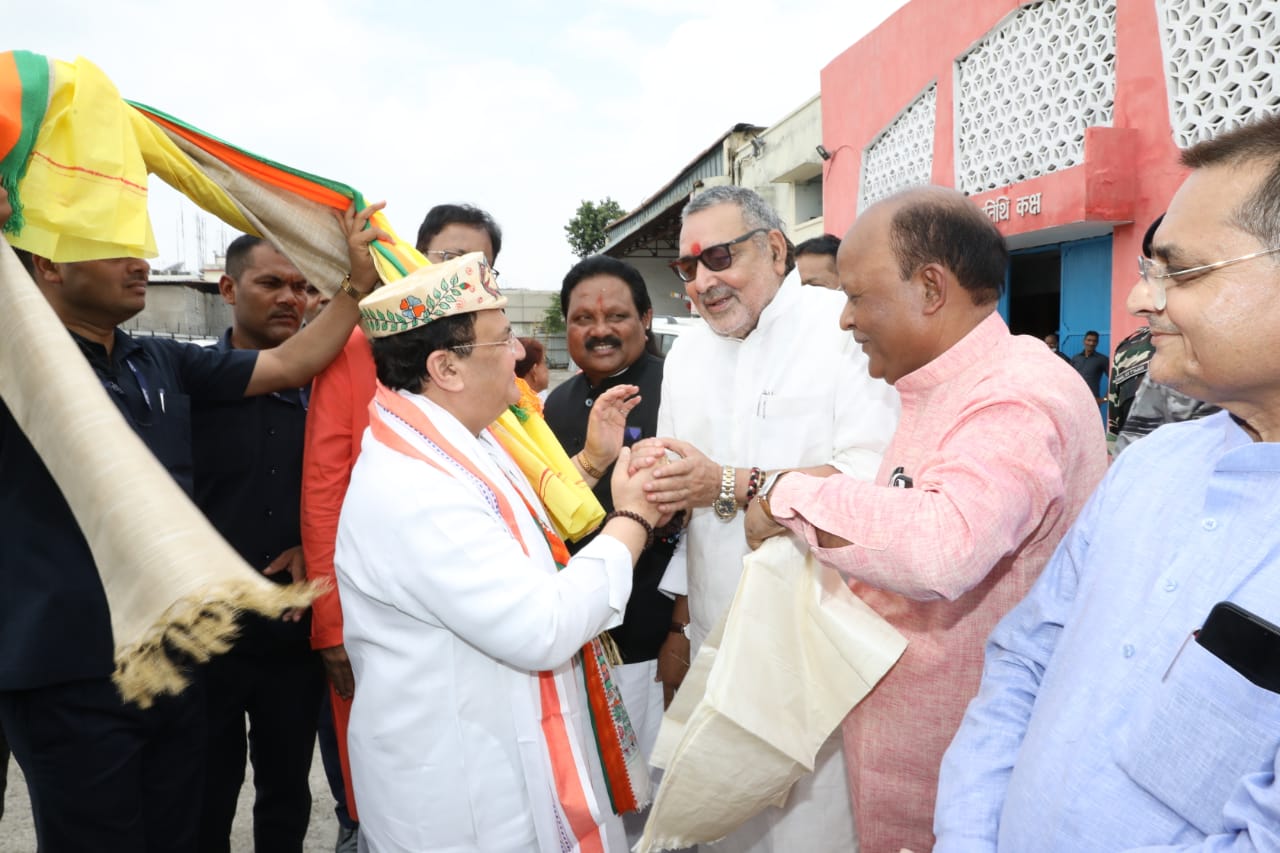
column 625, row 771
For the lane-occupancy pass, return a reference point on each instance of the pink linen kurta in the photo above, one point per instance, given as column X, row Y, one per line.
column 1004, row 444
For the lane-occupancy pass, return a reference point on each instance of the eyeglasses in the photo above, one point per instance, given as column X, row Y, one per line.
column 716, row 258
column 449, row 254
column 1155, row 274
column 512, row 343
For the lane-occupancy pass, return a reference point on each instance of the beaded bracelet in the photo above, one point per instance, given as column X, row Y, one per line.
column 638, row 519
column 753, row 483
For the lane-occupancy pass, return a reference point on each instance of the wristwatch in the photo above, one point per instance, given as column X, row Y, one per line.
column 726, row 505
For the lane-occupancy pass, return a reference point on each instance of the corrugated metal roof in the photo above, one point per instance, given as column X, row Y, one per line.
column 711, row 163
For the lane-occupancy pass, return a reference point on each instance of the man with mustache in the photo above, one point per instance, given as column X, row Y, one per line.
column 769, row 383
column 248, row 478
column 607, row 312
column 1132, row 699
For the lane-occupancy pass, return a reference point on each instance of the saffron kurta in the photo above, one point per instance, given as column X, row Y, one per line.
column 447, row 623
column 1003, row 445
column 339, row 413
column 794, row 393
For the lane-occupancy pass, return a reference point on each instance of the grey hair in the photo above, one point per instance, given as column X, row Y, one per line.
column 756, row 213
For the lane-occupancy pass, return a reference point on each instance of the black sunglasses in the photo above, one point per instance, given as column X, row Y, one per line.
column 716, row 258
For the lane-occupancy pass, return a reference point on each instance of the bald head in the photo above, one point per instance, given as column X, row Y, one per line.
column 937, row 225
column 921, row 269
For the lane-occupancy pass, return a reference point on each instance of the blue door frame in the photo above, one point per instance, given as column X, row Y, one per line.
column 1085, row 296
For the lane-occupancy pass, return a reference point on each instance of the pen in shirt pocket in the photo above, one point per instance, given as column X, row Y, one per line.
column 763, row 404
column 162, row 409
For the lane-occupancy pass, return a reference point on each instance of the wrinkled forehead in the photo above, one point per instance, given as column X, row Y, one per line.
column 711, row 226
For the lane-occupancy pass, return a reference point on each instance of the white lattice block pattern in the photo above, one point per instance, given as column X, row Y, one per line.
column 1027, row 91
column 902, row 155
column 1221, row 58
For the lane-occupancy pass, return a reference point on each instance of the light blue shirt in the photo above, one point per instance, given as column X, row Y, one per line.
column 1100, row 724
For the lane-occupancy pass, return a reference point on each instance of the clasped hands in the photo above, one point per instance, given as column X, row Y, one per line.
column 692, row 480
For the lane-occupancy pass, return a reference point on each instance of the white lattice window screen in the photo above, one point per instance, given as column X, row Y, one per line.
column 1221, row 58
column 902, row 156
column 1028, row 90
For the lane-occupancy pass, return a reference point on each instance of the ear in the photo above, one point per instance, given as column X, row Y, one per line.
column 937, row 283
column 778, row 251
column 646, row 319
column 47, row 272
column 227, row 287
column 442, row 370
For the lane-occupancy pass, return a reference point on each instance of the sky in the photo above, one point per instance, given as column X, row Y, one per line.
column 522, row 107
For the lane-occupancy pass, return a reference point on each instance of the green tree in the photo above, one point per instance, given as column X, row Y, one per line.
column 586, row 228
column 552, row 319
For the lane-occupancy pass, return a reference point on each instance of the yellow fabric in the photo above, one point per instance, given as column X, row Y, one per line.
column 572, row 506
column 166, row 160
column 86, row 184
column 87, row 178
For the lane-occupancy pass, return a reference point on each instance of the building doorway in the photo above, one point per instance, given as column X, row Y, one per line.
column 1035, row 292
column 1063, row 288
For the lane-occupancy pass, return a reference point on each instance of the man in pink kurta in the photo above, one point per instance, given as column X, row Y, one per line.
column 997, row 449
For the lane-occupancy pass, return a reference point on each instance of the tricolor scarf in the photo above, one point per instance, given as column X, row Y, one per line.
column 75, row 159
column 625, row 771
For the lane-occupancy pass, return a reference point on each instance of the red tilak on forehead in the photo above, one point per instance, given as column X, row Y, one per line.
column 695, row 249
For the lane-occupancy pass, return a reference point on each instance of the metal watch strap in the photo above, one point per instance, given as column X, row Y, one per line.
column 350, row 289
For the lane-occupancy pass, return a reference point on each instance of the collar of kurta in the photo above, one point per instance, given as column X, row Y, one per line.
column 780, row 306
column 981, row 342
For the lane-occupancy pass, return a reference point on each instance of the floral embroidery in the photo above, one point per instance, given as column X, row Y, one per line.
column 412, row 307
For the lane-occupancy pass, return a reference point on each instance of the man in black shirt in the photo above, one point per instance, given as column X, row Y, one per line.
column 248, row 480
column 1092, row 366
column 607, row 311
column 105, row 775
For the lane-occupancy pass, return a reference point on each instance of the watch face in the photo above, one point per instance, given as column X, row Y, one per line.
column 725, row 508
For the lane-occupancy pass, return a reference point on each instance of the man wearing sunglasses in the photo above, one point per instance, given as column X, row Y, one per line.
column 337, row 418
column 1122, row 707
column 999, row 447
column 771, row 382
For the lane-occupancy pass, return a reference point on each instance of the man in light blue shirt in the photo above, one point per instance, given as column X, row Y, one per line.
column 1102, row 723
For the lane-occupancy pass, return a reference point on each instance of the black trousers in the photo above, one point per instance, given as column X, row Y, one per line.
column 280, row 694
column 106, row 776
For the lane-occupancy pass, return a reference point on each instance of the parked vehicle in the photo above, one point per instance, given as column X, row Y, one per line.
column 666, row 329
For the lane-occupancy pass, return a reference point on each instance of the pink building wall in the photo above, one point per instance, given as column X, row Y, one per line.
column 1129, row 171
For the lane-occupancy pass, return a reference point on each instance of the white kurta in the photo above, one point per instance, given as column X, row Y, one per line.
column 794, row 393
column 447, row 623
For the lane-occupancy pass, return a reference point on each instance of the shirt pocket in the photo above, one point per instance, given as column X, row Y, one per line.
column 169, row 436
column 793, row 431
column 1191, row 741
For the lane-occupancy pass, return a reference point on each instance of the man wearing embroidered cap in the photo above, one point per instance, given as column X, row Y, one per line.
column 464, row 618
